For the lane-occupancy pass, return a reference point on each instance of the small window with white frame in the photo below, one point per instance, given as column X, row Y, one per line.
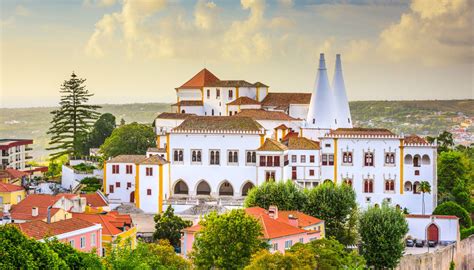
column 233, row 157
column 196, row 156
column 251, row 157
column 71, row 242
column 214, row 157
column 288, row 244
column 347, row 158
column 83, row 242
column 178, row 156
column 389, row 158
column 93, row 239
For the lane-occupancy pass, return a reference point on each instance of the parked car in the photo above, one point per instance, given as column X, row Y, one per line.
column 419, row 243
column 410, row 243
column 432, row 243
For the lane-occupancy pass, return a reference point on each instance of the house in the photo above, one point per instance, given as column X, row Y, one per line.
column 82, row 235
column 440, row 228
column 280, row 229
column 116, row 228
column 11, row 194
column 96, row 202
column 15, row 153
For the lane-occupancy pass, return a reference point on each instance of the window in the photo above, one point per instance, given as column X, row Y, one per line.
column 408, row 186
column 218, row 93
column 196, row 156
column 117, row 184
column 208, row 93
column 71, row 242
column 288, row 244
column 416, row 161
column 285, row 160
column 347, row 157
column 311, row 172
column 212, row 112
column 233, row 157
column 311, row 159
column 83, row 242
column 251, row 157
column 18, row 198
column 149, row 171
column 368, row 186
column 367, row 199
column 390, row 158
column 128, row 169
column 178, row 155
column 348, row 181
column 301, row 240
column 148, row 192
column 93, row 239
column 416, row 188
column 111, row 188
column 327, row 145
column 231, row 94
column 270, row 176
column 368, row 159
column 269, row 161
column 390, row 185
column 275, row 247
column 324, row 160
column 331, row 160
column 293, row 158
column 276, row 161
column 129, row 184
column 294, row 174
column 263, row 161
column 303, row 159
column 115, row 169
column 215, row 157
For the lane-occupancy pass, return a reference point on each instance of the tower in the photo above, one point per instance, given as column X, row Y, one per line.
column 321, row 113
column 341, row 105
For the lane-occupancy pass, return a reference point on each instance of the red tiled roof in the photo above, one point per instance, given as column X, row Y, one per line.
column 167, row 115
column 39, row 229
column 110, row 222
column 244, row 101
column 361, row 131
column 260, row 114
column 94, row 200
column 272, row 228
column 290, row 134
column 282, row 126
column 194, row 228
column 4, row 187
column 227, row 123
column 415, row 139
column 23, row 210
column 301, row 143
column 272, row 145
column 429, row 216
column 14, row 174
column 303, row 219
column 285, row 99
column 189, row 103
column 9, row 143
column 201, row 79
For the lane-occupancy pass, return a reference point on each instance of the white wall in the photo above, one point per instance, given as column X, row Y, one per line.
column 299, row 111
column 448, row 228
column 189, row 94
column 149, row 203
column 122, row 193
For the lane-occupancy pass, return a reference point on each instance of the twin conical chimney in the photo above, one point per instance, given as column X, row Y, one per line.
column 343, row 113
column 321, row 113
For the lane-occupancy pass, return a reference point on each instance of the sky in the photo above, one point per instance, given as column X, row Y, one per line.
column 140, row 50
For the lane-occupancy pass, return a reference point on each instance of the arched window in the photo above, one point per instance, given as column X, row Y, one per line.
column 347, row 157
column 254, row 157
column 249, row 157
column 408, row 186
column 425, row 160
column 203, row 188
column 245, row 189
column 416, row 187
column 194, row 156
column 231, row 157
column 389, row 185
column 212, row 112
column 175, row 155
column 416, row 161
column 226, row 189
column 368, row 186
column 218, row 159
column 181, row 188
column 199, row 156
column 183, row 111
column 236, row 157
column 408, row 159
column 213, row 158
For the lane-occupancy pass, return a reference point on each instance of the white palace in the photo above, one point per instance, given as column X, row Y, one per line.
column 227, row 136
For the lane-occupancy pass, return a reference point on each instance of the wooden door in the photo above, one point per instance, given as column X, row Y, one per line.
column 433, row 233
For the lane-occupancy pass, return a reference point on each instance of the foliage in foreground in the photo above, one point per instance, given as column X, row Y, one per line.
column 168, row 226
column 285, row 195
column 263, row 259
column 454, row 209
column 382, row 230
column 226, row 241
column 465, row 233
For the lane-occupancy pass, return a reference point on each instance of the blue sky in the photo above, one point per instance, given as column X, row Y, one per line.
column 138, row 51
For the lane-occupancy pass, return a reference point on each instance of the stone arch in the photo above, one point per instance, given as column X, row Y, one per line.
column 425, row 160
column 226, row 189
column 408, row 159
column 408, row 186
column 246, row 188
column 203, row 188
column 180, row 188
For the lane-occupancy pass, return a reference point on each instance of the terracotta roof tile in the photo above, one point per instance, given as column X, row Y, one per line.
column 189, row 103
column 290, row 134
column 194, row 228
column 39, row 229
column 415, row 139
column 112, row 224
column 23, row 210
column 94, row 199
column 282, row 126
column 14, row 174
column 272, row 145
column 127, row 159
column 201, row 79
column 260, row 114
column 154, row 160
column 259, row 84
column 154, row 149
column 429, row 216
column 167, row 115
column 244, row 101
column 362, row 131
column 303, row 219
column 230, row 83
column 272, row 228
column 4, row 187
column 285, row 99
column 227, row 123
column 301, row 143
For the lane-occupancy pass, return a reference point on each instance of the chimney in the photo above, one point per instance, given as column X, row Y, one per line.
column 48, row 220
column 34, row 211
column 273, row 211
column 293, row 221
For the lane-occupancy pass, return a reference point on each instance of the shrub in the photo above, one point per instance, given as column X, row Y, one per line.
column 454, row 209
column 83, row 167
column 465, row 233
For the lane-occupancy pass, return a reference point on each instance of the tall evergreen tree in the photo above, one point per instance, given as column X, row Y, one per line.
column 73, row 119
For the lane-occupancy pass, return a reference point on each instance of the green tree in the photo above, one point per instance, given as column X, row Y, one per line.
column 329, row 254
column 444, row 140
column 226, row 241
column 425, row 187
column 285, row 195
column 461, row 195
column 336, row 205
column 72, row 120
column 451, row 168
column 55, row 167
column 129, row 139
column 382, row 230
column 263, row 259
column 168, row 226
column 73, row 258
column 454, row 209
column 102, row 129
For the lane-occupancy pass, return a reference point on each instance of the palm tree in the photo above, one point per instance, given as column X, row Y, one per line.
column 424, row 187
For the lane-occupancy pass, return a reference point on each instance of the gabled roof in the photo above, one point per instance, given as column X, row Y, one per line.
column 154, row 160
column 301, row 143
column 127, row 159
column 189, row 103
column 362, row 131
column 4, row 187
column 94, row 199
column 219, row 123
column 285, row 99
column 290, row 134
column 282, row 126
column 112, row 223
column 166, row 115
column 415, row 139
column 272, row 145
column 244, row 101
column 194, row 228
column 39, row 229
column 260, row 114
column 201, row 79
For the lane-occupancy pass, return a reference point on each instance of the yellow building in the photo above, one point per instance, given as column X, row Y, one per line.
column 11, row 194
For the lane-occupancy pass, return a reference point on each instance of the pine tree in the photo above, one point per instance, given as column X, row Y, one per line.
column 73, row 119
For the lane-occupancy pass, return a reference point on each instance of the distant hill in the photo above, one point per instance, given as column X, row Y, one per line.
column 424, row 117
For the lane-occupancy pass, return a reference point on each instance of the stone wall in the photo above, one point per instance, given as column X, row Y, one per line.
column 462, row 253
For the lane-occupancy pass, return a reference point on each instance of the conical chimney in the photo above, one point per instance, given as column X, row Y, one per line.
column 343, row 113
column 321, row 112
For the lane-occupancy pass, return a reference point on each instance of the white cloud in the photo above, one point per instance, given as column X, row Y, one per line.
column 205, row 15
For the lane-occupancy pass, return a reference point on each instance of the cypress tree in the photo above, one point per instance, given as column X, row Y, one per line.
column 73, row 119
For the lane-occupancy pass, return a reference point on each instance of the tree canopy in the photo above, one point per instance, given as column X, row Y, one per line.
column 168, row 226
column 454, row 209
column 382, row 230
column 73, row 119
column 285, row 195
column 131, row 139
column 226, row 241
column 301, row 260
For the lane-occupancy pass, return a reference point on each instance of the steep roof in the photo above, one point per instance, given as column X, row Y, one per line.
column 4, row 187
column 260, row 114
column 166, row 115
column 285, row 99
column 189, row 103
column 201, row 79
column 362, row 131
column 415, row 139
column 272, row 145
column 219, row 123
column 127, row 159
column 282, row 126
column 244, row 101
column 39, row 229
column 301, row 143
column 290, row 134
